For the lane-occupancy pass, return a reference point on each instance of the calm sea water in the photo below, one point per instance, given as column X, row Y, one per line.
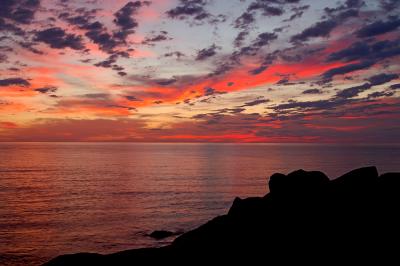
column 58, row 198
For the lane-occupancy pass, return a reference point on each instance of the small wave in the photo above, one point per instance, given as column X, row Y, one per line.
column 24, row 170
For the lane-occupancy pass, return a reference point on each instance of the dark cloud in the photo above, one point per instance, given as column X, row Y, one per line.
column 189, row 8
column 382, row 78
column 238, row 42
column 132, row 98
column 319, row 105
column 379, row 27
column 375, row 80
column 319, row 29
column 298, row 13
column 266, row 8
column 328, row 75
column 207, row 52
column 367, row 51
column 95, row 31
column 14, row 81
column 258, row 70
column 379, row 94
column 312, row 91
column 103, row 96
column 348, row 5
column 165, row 82
column 263, row 39
column 163, row 36
column 244, row 20
column 210, row 91
column 389, row 5
column 22, row 11
column 177, row 54
column 353, row 91
column 354, row 52
column 98, row 33
column 255, row 102
column 325, row 27
column 267, row 61
column 395, row 86
column 108, row 63
column 123, row 17
column 48, row 89
column 30, row 47
column 57, row 38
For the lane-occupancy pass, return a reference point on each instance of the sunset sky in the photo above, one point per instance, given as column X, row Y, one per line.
column 200, row 70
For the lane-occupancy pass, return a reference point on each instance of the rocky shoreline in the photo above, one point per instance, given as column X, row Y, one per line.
column 306, row 217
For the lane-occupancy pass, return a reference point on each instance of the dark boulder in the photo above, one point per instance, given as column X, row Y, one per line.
column 161, row 234
column 297, row 182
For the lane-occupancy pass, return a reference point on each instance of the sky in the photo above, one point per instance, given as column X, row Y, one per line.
column 200, row 70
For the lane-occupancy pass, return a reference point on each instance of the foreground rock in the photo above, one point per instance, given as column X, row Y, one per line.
column 305, row 218
column 161, row 234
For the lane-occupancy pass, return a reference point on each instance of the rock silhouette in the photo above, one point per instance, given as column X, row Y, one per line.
column 161, row 234
column 306, row 218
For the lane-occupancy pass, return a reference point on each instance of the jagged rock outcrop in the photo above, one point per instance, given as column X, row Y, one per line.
column 305, row 218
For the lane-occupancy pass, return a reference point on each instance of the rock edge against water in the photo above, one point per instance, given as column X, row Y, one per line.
column 305, row 218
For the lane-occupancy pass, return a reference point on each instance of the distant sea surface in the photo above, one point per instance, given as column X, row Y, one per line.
column 58, row 198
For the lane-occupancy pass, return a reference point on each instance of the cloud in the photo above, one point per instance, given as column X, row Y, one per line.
column 132, row 98
column 379, row 94
column 312, row 91
column 57, row 38
column 298, row 12
column 266, row 8
column 244, row 20
column 22, row 11
column 207, row 52
column 382, row 78
column 256, row 102
column 176, row 54
column 125, row 20
column 325, row 27
column 47, row 89
column 210, row 91
column 319, row 29
column 389, row 5
column 395, row 86
column 353, row 91
column 346, row 69
column 379, row 27
column 97, row 32
column 163, row 36
column 189, row 8
column 267, row 61
column 165, row 82
column 375, row 80
column 240, row 38
column 354, row 52
column 263, row 39
column 14, row 81
column 363, row 51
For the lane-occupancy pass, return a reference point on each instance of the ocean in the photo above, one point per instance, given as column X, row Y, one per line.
column 58, row 198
